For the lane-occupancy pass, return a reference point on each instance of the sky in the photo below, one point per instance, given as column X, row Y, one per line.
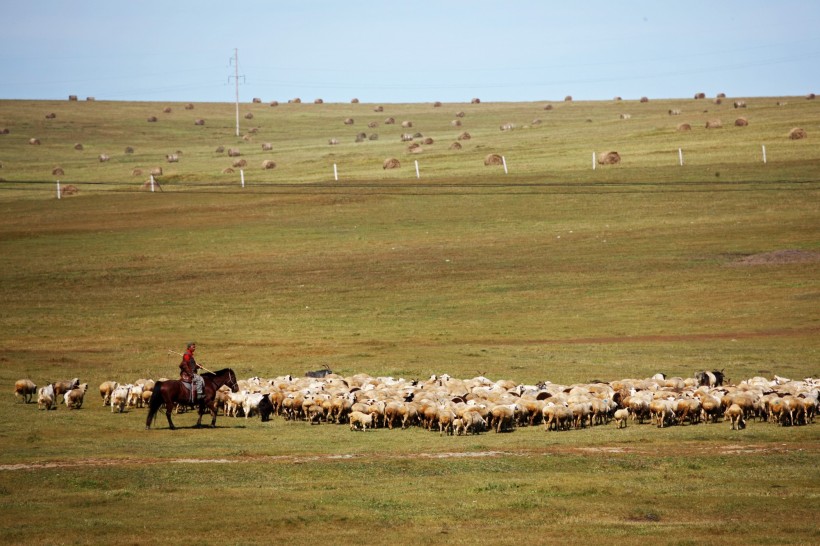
column 410, row 51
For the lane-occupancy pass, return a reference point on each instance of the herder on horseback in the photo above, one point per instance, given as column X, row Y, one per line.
column 187, row 372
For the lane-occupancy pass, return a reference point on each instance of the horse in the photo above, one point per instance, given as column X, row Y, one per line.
column 173, row 393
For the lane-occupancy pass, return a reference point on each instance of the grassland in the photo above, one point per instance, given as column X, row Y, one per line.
column 553, row 271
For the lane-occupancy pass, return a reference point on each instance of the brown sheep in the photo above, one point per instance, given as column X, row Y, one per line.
column 25, row 388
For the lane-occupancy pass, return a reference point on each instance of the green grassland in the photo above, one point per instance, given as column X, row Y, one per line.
column 554, row 271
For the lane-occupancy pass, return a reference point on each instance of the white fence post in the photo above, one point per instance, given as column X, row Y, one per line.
column 504, row 162
column 680, row 156
column 764, row 154
column 593, row 161
column 335, row 173
column 58, row 189
column 242, row 177
column 417, row 169
column 152, row 183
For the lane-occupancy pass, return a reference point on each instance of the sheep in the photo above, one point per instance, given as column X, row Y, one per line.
column 135, row 397
column 621, row 416
column 503, row 417
column 359, row 419
column 45, row 397
column 74, row 398
column 458, row 427
column 234, row 402
column 735, row 413
column 106, row 389
column 25, row 388
column 119, row 398
column 62, row 387
column 473, row 422
column 250, row 405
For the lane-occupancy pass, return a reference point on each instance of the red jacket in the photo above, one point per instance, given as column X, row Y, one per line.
column 188, row 366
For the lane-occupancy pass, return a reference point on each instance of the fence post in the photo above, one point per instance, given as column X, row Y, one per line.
column 504, row 162
column 335, row 173
column 242, row 177
column 417, row 169
column 593, row 161
column 764, row 154
column 680, row 156
column 152, row 183
column 58, row 189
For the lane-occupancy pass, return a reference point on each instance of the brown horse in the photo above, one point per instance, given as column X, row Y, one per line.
column 174, row 393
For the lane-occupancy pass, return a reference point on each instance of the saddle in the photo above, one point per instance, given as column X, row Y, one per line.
column 192, row 394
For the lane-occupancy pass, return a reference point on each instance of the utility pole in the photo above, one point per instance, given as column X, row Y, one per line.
column 235, row 61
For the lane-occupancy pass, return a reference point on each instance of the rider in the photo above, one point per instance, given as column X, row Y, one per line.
column 188, row 368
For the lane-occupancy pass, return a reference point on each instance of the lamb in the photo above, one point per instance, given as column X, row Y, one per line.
column 621, row 416
column 106, row 389
column 45, row 397
column 25, row 388
column 119, row 398
column 458, row 427
column 74, row 398
column 359, row 419
column 735, row 413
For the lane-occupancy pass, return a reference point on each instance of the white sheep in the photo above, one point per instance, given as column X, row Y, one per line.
column 359, row 419
column 135, row 397
column 119, row 398
column 45, row 397
column 74, row 398
column 621, row 416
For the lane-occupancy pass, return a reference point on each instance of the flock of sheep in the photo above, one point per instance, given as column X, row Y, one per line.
column 461, row 406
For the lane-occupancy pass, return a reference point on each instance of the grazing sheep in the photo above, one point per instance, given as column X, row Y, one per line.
column 107, row 388
column 74, row 398
column 359, row 419
column 45, row 397
column 735, row 414
column 119, row 398
column 25, row 388
column 62, row 387
column 135, row 397
column 621, row 416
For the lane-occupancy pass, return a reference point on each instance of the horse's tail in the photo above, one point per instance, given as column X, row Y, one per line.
column 154, row 404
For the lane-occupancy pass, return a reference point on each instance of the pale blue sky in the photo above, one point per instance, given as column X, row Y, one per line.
column 408, row 51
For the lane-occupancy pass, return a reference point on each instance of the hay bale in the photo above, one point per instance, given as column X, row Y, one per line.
column 568, row 98
column 740, row 104
column 373, row 124
column 456, row 123
column 103, row 158
column 810, row 96
column 741, row 122
column 391, row 163
column 361, row 137
column 797, row 134
column 378, row 109
column 406, row 124
column 253, row 130
column 249, row 115
column 349, row 121
column 267, row 146
column 333, row 141
column 228, row 170
column 437, row 104
column 172, row 158
column 460, row 114
column 700, row 96
column 684, row 127
column 129, row 150
column 51, row 115
column 718, row 100
column 90, row 99
column 274, row 103
column 234, row 152
column 189, row 106
column 644, row 99
column 608, row 158
column 464, row 136
column 239, row 163
column 354, row 101
column 714, row 124
column 475, row 101
column 156, row 171
column 415, row 148
column 199, row 121
column 166, row 110
column 617, row 98
column 72, row 98
column 493, row 159
column 721, row 96
column 257, row 100
column 136, row 172
column 455, row 146
column 318, row 101
column 428, row 141
column 78, row 147
column 58, row 171
column 268, row 164
column 373, row 136
column 152, row 119
column 548, row 107
column 69, row 189
column 390, row 121
column 220, row 149
column 34, row 141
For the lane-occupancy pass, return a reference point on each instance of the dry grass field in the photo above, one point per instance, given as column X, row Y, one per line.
column 554, row 271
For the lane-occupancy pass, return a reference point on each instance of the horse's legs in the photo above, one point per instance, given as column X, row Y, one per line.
column 212, row 407
column 168, row 409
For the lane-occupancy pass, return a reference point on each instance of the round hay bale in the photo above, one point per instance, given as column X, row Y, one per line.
column 90, row 99
column 493, row 159
column 220, row 150
column 189, row 106
column 354, row 101
column 700, row 96
column 548, row 107
column 103, row 158
column 437, row 104
column 406, row 124
column 464, row 136
column 58, row 171
column 51, row 115
column 810, row 96
column 129, row 150
column 428, row 141
column 72, row 98
column 136, row 172
column 34, row 141
column 455, row 146
column 373, row 124
column 418, row 135
column 166, row 110
column 249, row 115
column 644, row 99
column 741, row 122
column 274, row 103
column 460, row 114
column 389, row 121
column 257, row 100
column 684, row 127
column 740, row 104
column 239, row 163
column 568, row 98
column 718, row 100
column 361, row 137
column 374, row 136
column 415, row 148
column 616, row 99
column 378, row 109
column 318, row 101
column 608, row 158
column 475, row 101
column 714, row 124
column 267, row 147
column 156, row 171
column 78, row 147
column 69, row 189
column 172, row 158
column 228, row 170
column 199, row 121
column 721, row 96
column 391, row 163
column 349, row 121
column 234, row 152
column 797, row 134
column 456, row 123
column 268, row 164
column 333, row 141
column 297, row 100
column 253, row 130
column 152, row 119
